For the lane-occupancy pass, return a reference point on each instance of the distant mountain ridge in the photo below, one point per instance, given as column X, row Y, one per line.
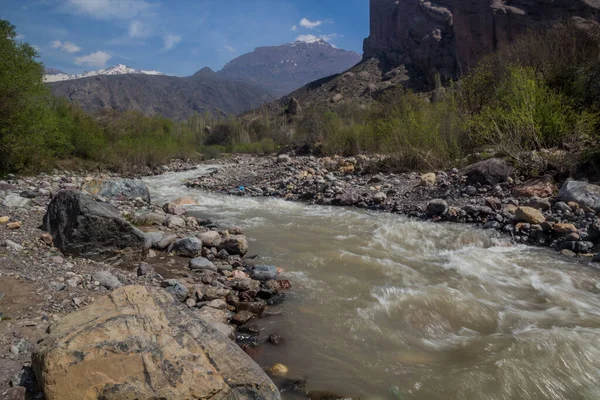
column 285, row 68
column 169, row 96
column 54, row 75
column 244, row 84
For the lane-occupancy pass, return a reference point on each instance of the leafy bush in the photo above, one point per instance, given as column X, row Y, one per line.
column 524, row 114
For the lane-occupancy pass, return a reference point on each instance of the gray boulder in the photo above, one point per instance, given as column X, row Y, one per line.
column 264, row 272
column 201, row 263
column 107, row 280
column 436, row 207
column 118, row 188
column 187, row 247
column 489, row 172
column 82, row 227
column 15, row 201
column 582, row 193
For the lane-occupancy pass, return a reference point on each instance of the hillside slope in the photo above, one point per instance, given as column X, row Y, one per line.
column 171, row 97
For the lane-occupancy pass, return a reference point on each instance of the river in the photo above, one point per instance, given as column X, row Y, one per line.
column 383, row 307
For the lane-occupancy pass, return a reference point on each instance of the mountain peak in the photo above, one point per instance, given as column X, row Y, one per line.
column 53, row 75
column 205, row 72
column 287, row 67
column 309, row 39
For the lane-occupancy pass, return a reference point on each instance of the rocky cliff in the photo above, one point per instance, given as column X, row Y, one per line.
column 450, row 36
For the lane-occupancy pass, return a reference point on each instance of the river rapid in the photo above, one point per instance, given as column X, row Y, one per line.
column 383, row 307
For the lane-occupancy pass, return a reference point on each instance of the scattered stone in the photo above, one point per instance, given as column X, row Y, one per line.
column 118, row 188
column 236, row 244
column 14, row 225
column 283, row 159
column 581, row 193
column 4, row 220
column 15, row 247
column 540, row 187
column 185, row 201
column 488, row 172
column 274, row 339
column 187, row 247
column 278, row 370
column 107, row 280
column 529, row 215
column 201, row 263
column 145, row 269
column 240, row 318
column 264, row 272
column 175, row 222
column 577, row 246
column 436, row 207
column 15, row 201
column 428, row 179
column 211, row 239
column 46, row 238
column 565, row 228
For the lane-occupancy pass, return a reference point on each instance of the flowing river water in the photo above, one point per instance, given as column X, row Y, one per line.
column 383, row 307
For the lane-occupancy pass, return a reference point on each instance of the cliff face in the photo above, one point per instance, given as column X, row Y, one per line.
column 450, row 36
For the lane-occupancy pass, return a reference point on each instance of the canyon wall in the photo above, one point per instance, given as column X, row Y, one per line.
column 450, row 36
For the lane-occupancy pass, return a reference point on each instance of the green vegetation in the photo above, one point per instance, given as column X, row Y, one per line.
column 542, row 92
column 37, row 130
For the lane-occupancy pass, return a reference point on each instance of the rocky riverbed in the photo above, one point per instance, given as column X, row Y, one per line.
column 69, row 240
column 490, row 194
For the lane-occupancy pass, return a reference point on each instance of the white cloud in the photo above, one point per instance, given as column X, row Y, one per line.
column 294, row 28
column 107, row 9
column 230, row 49
column 137, row 30
column 329, row 37
column 170, row 41
column 65, row 46
column 19, row 37
column 308, row 24
column 97, row 59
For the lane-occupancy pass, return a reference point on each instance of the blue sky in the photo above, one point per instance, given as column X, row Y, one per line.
column 177, row 37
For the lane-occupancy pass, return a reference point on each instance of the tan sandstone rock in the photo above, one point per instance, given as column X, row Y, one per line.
column 529, row 215
column 138, row 343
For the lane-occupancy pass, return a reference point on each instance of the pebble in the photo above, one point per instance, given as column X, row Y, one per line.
column 14, row 225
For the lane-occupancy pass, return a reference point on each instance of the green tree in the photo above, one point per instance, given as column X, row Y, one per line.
column 27, row 125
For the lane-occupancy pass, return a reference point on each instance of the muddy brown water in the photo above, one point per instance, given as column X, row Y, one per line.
column 388, row 308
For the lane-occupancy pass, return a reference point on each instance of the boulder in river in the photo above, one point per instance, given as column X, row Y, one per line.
column 236, row 244
column 118, row 188
column 138, row 343
column 582, row 193
column 83, row 227
column 489, row 172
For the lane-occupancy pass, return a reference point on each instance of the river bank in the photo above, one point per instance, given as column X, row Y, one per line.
column 41, row 281
column 489, row 194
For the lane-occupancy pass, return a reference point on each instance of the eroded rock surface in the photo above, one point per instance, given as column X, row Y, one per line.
column 137, row 343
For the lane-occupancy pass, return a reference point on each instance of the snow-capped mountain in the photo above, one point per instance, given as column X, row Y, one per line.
column 53, row 75
column 283, row 69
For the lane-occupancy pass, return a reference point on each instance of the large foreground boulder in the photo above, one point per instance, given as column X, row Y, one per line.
column 582, row 193
column 489, row 172
column 83, row 227
column 138, row 343
column 118, row 188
